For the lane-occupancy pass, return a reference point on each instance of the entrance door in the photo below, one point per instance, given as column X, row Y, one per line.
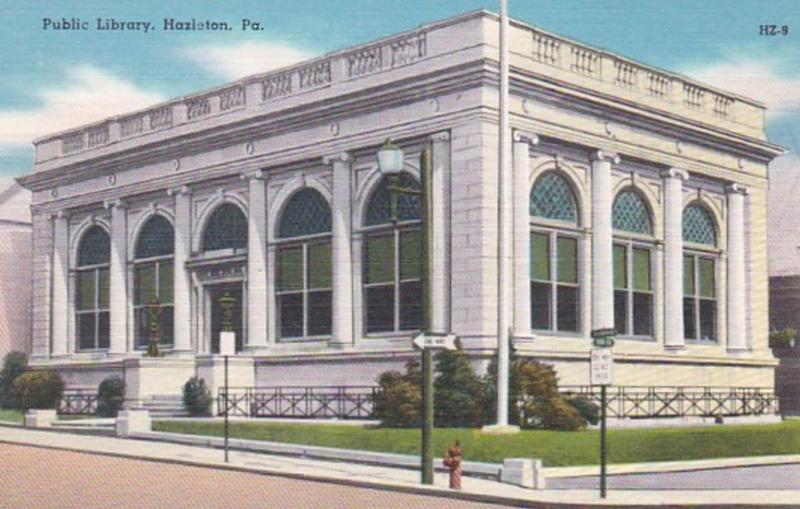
column 217, row 292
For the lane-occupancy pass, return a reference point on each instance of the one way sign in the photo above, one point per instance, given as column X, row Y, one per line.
column 436, row 341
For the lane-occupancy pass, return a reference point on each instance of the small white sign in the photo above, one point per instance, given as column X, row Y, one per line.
column 436, row 342
column 227, row 343
column 601, row 366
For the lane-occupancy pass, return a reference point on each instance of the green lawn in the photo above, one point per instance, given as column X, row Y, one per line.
column 553, row 447
column 7, row 415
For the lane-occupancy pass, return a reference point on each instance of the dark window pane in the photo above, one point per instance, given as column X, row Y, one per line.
column 291, row 315
column 621, row 312
column 85, row 290
column 380, row 308
column 166, row 282
column 156, row 238
column 641, row 269
column 708, row 320
column 85, row 328
column 689, row 325
column 167, row 326
column 102, row 330
column 688, row 275
column 320, row 270
column 567, row 260
column 620, row 267
column 379, row 207
column 225, row 229
column 144, row 282
column 540, row 305
column 642, row 314
column 567, row 308
column 102, row 288
column 290, row 269
column 306, row 213
column 95, row 247
column 706, row 277
column 411, row 305
column 142, row 325
column 319, row 313
column 380, row 259
column 540, row 256
column 411, row 254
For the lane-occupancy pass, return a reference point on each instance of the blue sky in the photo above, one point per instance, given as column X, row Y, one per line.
column 58, row 79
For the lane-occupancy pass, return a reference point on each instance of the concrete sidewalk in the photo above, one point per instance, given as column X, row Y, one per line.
column 388, row 478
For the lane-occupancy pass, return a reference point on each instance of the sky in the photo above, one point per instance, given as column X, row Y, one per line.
column 57, row 79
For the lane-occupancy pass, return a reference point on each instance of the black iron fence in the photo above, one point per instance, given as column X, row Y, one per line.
column 78, row 402
column 350, row 402
column 661, row 401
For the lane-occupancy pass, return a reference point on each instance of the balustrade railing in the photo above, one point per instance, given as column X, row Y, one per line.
column 78, row 402
column 352, row 402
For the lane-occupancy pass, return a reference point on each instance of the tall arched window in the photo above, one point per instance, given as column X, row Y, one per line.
column 304, row 291
column 392, row 262
column 555, row 291
column 92, row 289
column 633, row 278
column 225, row 229
column 699, row 275
column 153, row 279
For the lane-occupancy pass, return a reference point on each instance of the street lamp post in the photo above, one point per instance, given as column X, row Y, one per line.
column 390, row 163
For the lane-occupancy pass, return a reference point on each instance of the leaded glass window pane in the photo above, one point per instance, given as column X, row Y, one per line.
column 641, row 269
column 540, row 256
column 379, row 208
column 95, row 247
column 319, row 265
column 620, row 266
column 630, row 213
column 698, row 226
column 226, row 229
column 290, row 269
column 552, row 198
column 307, row 213
column 380, row 259
column 567, row 260
column 157, row 238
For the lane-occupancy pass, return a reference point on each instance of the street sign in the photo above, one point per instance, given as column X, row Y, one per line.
column 227, row 343
column 602, row 362
column 603, row 338
column 436, row 341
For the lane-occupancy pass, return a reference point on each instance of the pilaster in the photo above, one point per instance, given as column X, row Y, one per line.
column 522, row 234
column 182, row 286
column 59, row 345
column 736, row 286
column 342, row 333
column 257, row 308
column 118, row 282
column 440, row 231
column 602, row 241
column 673, row 258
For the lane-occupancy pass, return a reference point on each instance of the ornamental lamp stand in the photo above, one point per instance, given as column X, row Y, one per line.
column 154, row 325
column 227, row 347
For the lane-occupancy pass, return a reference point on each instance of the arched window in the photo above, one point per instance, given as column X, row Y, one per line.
column 699, row 275
column 633, row 277
column 555, row 291
column 92, row 290
column 225, row 229
column 153, row 280
column 304, row 290
column 392, row 262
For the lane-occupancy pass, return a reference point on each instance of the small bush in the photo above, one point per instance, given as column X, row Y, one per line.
column 458, row 392
column 398, row 402
column 541, row 405
column 782, row 338
column 14, row 364
column 197, row 398
column 554, row 413
column 110, row 396
column 587, row 409
column 38, row 389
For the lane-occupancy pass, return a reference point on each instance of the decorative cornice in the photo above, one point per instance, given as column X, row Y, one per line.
column 675, row 173
column 734, row 188
column 520, row 136
column 118, row 203
column 440, row 137
column 341, row 157
column 609, row 157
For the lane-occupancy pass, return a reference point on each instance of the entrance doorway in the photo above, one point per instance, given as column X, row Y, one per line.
column 218, row 318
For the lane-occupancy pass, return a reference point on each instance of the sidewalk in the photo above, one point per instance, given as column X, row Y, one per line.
column 384, row 477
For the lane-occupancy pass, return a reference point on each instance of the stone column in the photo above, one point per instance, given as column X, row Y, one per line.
column 673, row 258
column 182, row 287
column 522, row 232
column 257, row 308
column 736, row 287
column 440, row 231
column 118, row 281
column 342, row 333
column 602, row 241
column 60, row 307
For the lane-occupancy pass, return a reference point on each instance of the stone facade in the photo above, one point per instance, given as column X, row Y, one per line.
column 602, row 124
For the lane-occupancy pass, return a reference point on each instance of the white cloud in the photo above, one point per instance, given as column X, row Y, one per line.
column 232, row 62
column 84, row 94
column 765, row 80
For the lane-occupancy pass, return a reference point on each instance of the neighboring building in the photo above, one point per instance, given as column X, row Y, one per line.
column 639, row 202
column 15, row 268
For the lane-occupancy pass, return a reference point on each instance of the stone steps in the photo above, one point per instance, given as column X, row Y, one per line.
column 163, row 406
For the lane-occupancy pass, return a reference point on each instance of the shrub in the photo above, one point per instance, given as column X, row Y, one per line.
column 14, row 364
column 398, row 402
column 197, row 398
column 541, row 405
column 782, row 338
column 458, row 391
column 587, row 409
column 38, row 389
column 110, row 396
column 553, row 413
